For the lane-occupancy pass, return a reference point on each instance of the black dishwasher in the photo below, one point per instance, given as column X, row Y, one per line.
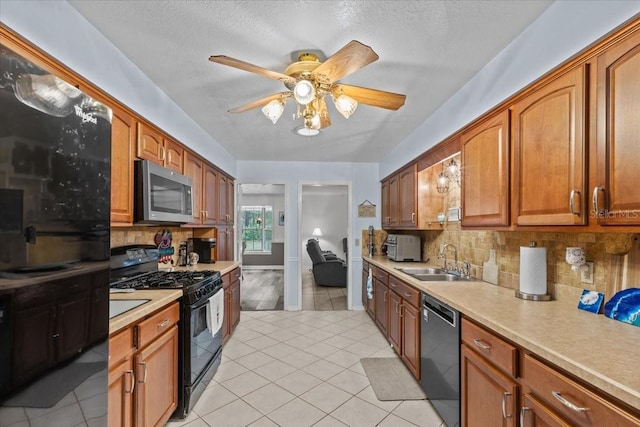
column 440, row 358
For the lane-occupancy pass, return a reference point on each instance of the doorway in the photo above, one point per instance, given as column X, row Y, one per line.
column 325, row 216
column 261, row 241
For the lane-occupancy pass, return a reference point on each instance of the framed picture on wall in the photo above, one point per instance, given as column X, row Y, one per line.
column 280, row 218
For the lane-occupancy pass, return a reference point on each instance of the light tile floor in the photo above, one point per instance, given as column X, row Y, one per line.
column 302, row 368
column 321, row 298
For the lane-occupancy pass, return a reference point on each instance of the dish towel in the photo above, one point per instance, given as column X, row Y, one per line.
column 215, row 312
column 370, row 285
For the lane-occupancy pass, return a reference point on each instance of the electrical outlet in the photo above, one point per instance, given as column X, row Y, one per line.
column 357, row 242
column 587, row 275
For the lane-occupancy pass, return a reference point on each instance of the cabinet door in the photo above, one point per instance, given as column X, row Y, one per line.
column 550, row 154
column 234, row 303
column 226, row 327
column 411, row 338
column 210, row 194
column 394, row 333
column 485, row 173
column 381, row 297
column 618, row 127
column 394, row 207
column 535, row 414
column 120, row 394
column 386, row 207
column 222, row 214
column 33, row 343
column 156, row 370
column 173, row 155
column 72, row 324
column 408, row 196
column 193, row 168
column 123, row 134
column 150, row 145
column 489, row 398
column 230, row 201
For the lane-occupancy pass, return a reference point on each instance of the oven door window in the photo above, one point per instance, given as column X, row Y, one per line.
column 204, row 343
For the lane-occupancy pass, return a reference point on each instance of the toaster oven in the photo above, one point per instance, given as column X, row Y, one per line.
column 403, row 247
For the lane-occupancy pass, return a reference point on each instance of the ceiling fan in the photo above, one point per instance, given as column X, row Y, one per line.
column 309, row 81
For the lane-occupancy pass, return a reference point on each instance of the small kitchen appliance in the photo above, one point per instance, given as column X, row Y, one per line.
column 204, row 247
column 199, row 345
column 403, row 247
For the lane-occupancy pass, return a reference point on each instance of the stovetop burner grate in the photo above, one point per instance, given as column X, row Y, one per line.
column 168, row 280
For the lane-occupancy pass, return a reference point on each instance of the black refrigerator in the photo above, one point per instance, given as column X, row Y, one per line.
column 55, row 153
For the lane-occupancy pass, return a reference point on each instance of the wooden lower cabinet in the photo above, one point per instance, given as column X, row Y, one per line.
column 156, row 394
column 394, row 332
column 404, row 323
column 231, row 285
column 488, row 397
column 143, row 370
column 503, row 385
column 381, row 300
column 411, row 338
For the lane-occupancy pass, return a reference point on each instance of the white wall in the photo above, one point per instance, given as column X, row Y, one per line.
column 58, row 29
column 364, row 185
column 563, row 30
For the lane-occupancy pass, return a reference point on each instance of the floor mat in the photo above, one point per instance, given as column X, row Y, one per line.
column 391, row 380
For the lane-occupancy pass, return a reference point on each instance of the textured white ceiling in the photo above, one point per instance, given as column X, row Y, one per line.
column 427, row 49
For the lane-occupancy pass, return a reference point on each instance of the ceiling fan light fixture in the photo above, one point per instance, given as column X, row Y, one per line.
column 273, row 110
column 305, row 131
column 345, row 105
column 304, row 92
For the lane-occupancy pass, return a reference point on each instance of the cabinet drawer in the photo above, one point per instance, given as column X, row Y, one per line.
column 408, row 293
column 235, row 274
column 365, row 266
column 120, row 346
column 157, row 324
column 382, row 275
column 226, row 280
column 493, row 348
column 571, row 400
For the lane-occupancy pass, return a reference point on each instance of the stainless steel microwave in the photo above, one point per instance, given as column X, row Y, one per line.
column 161, row 195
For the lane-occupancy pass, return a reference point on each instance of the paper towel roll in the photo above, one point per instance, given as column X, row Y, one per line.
column 533, row 270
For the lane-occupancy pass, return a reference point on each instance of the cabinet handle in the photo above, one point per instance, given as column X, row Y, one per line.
column 204, row 215
column 132, row 381
column 408, row 295
column 164, row 323
column 384, row 296
column 504, row 404
column 163, row 150
column 397, row 312
column 393, row 285
column 568, row 404
column 413, row 217
column 56, row 335
column 596, row 204
column 572, row 196
column 144, row 373
column 401, row 310
column 483, row 345
column 523, row 412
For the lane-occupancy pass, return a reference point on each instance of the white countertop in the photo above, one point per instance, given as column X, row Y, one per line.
column 599, row 350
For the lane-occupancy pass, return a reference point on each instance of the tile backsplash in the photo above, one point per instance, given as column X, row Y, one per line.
column 562, row 282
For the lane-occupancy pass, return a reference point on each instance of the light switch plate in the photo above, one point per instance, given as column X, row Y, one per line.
column 587, row 275
column 357, row 242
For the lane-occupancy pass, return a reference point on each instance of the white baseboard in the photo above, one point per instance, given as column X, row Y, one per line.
column 262, row 267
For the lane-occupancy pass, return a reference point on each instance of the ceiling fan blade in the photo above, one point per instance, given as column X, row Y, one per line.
column 373, row 97
column 325, row 120
column 353, row 56
column 260, row 102
column 237, row 63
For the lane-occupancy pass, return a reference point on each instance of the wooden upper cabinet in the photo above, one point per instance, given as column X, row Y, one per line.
column 618, row 129
column 193, row 168
column 155, row 147
column 123, row 134
column 222, row 214
column 408, row 196
column 550, row 153
column 386, row 208
column 174, row 154
column 209, row 194
column 394, row 191
column 485, row 173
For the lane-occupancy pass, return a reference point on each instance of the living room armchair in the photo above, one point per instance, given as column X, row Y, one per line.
column 328, row 269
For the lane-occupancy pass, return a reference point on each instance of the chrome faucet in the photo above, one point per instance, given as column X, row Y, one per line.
column 442, row 254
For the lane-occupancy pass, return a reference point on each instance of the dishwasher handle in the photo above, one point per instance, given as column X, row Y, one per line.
column 449, row 315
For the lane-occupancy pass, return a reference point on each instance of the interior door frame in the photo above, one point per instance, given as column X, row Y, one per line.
column 301, row 251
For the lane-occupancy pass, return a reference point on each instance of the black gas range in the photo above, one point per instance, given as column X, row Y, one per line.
column 136, row 267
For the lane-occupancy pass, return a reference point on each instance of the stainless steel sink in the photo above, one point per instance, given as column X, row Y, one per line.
column 444, row 277
column 421, row 270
